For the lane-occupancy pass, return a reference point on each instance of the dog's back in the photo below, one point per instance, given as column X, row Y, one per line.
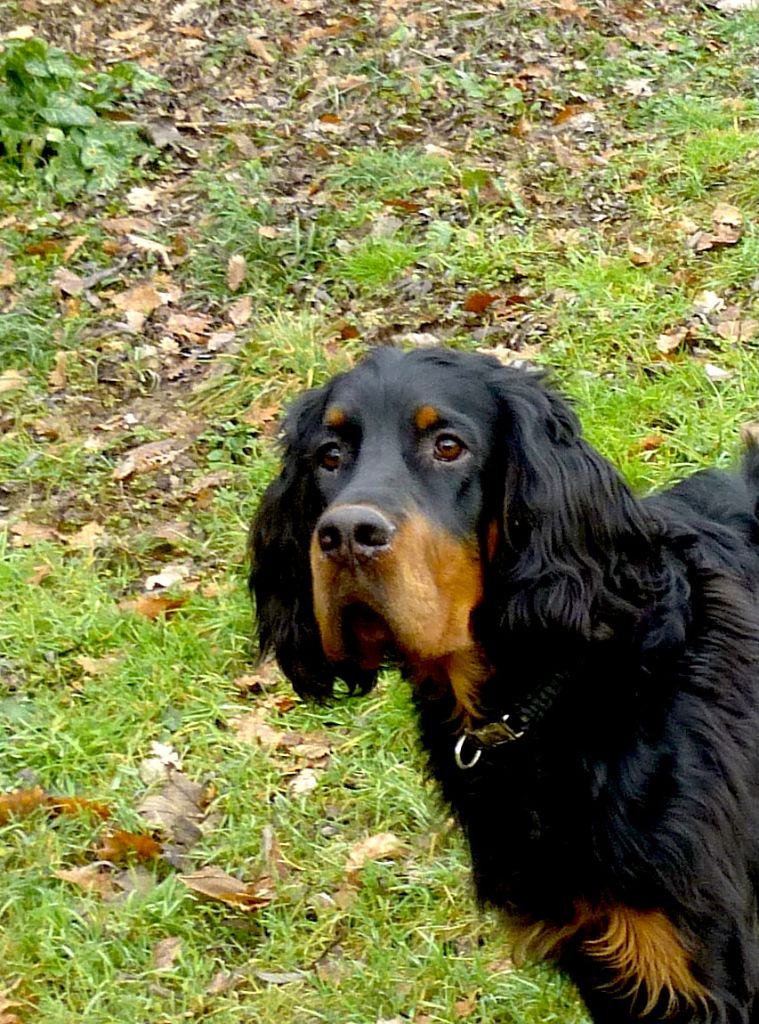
column 724, row 505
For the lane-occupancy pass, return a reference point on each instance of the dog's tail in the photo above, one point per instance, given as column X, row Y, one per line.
column 750, row 464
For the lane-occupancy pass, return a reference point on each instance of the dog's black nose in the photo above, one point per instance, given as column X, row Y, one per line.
column 354, row 530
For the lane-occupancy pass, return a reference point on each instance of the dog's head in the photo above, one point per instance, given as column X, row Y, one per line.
column 415, row 490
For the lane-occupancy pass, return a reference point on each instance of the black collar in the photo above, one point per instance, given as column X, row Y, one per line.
column 508, row 728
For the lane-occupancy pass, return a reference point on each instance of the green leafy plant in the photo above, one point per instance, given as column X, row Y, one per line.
column 52, row 121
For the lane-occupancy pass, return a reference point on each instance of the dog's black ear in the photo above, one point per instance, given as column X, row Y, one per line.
column 280, row 576
column 569, row 521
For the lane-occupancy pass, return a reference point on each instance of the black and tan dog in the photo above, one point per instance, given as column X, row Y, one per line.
column 585, row 664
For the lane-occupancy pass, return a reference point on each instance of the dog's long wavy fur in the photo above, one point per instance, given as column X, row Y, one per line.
column 620, row 834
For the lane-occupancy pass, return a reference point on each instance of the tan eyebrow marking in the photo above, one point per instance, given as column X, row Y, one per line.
column 335, row 417
column 426, row 416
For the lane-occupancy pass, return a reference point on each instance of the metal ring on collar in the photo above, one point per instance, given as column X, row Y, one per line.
column 460, row 762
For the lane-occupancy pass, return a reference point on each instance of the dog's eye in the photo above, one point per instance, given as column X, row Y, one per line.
column 330, row 457
column 448, row 448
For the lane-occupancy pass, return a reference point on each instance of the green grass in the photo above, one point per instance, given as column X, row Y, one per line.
column 388, row 173
column 349, row 240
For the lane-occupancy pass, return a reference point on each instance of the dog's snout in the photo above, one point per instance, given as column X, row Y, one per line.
column 357, row 530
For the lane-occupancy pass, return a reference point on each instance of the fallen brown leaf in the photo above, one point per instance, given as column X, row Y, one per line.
column 74, row 246
column 188, row 326
column 569, row 159
column 702, row 241
column 715, row 373
column 74, row 804
column 638, row 256
column 259, row 414
column 326, row 31
column 333, row 968
column 258, row 49
column 92, row 877
column 191, row 31
column 7, row 274
column 738, row 330
column 569, row 112
column 126, row 225
column 168, row 576
column 647, row 444
column 7, row 1003
column 349, row 331
column 12, row 380
column 265, row 678
column 244, row 144
column 708, row 302
column 166, row 952
column 305, row 781
column 638, row 87
column 724, row 213
column 46, row 247
column 66, row 282
column 208, row 481
column 252, row 727
column 466, row 1007
column 96, row 666
column 672, row 340
column 382, row 846
column 7, row 1006
column 225, row 981
column 509, row 356
column 179, row 809
column 176, row 533
column 271, row 855
column 140, row 29
column 217, row 340
column 151, row 606
column 25, row 535
column 237, row 268
column 142, row 298
column 282, row 702
column 118, row 845
column 57, row 377
column 39, row 574
column 142, row 198
column 419, row 339
column 159, row 767
column 314, row 752
column 241, row 311
column 87, row 538
column 147, row 457
column 727, row 227
column 478, row 302
column 404, row 205
column 149, row 245
column 280, row 977
column 215, row 884
column 21, row 802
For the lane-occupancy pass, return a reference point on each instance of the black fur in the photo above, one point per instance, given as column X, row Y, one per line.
column 638, row 785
